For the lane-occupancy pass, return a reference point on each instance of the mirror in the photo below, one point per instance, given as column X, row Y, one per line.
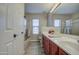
column 69, row 15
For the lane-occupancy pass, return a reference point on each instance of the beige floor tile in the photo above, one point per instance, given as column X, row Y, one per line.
column 34, row 48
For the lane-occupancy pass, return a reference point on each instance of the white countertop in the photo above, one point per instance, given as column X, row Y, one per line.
column 66, row 42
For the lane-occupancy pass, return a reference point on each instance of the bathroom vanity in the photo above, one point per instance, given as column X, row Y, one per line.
column 60, row 44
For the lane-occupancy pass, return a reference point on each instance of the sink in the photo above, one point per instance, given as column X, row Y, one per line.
column 67, row 39
column 70, row 45
column 54, row 36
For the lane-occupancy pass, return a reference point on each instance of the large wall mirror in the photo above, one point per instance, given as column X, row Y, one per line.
column 70, row 20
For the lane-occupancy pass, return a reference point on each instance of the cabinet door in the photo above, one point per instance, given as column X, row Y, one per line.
column 44, row 44
column 53, row 49
column 61, row 52
column 43, row 41
column 47, row 45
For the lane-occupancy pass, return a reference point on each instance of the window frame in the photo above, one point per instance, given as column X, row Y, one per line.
column 37, row 26
column 59, row 23
column 58, row 28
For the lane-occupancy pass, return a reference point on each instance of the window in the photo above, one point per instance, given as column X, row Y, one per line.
column 67, row 29
column 57, row 24
column 68, row 23
column 35, row 25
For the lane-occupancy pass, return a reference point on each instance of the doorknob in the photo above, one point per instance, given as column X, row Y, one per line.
column 22, row 32
column 14, row 35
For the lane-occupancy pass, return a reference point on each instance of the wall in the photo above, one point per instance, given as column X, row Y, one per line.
column 49, row 20
column 75, row 24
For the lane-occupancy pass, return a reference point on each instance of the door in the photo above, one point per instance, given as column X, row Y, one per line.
column 11, row 48
column 19, row 42
column 5, row 35
column 3, row 16
column 3, row 49
column 11, row 24
column 61, row 52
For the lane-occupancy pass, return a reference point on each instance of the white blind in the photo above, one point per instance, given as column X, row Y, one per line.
column 57, row 24
column 35, row 24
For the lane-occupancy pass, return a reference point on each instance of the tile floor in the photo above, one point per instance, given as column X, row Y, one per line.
column 34, row 48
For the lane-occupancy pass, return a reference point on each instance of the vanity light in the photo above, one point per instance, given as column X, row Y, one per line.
column 54, row 7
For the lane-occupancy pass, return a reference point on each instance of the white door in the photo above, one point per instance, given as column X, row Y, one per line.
column 11, row 22
column 3, row 49
column 11, row 48
column 19, row 42
column 16, row 46
column 5, row 36
column 17, row 26
column 3, row 15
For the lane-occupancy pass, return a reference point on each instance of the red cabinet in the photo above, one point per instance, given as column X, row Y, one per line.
column 45, row 45
column 50, row 48
column 61, row 52
column 53, row 49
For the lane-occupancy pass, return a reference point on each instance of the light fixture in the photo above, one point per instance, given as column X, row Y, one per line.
column 54, row 7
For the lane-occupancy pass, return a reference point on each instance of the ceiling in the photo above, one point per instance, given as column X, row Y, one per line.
column 38, row 7
column 67, row 8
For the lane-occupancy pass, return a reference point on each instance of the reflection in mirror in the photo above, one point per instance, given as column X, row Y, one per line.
column 69, row 15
